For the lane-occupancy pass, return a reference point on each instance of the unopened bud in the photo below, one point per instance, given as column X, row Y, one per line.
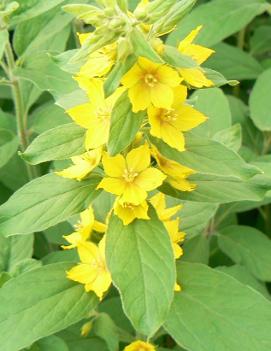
column 86, row 328
column 176, row 13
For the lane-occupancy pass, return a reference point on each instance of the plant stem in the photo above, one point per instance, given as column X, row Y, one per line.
column 19, row 107
column 240, row 44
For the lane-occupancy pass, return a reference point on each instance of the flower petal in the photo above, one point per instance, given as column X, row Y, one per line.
column 140, row 96
column 188, row 118
column 173, row 137
column 82, row 114
column 133, row 194
column 132, row 76
column 114, row 166
column 88, row 252
column 138, row 159
column 168, row 76
column 162, row 96
column 154, row 115
column 150, row 179
column 113, row 185
column 82, row 273
column 195, row 77
column 97, row 134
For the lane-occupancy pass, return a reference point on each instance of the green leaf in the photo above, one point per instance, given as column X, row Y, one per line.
column 44, row 202
column 141, row 47
column 59, row 143
column 145, row 282
column 249, row 247
column 49, row 31
column 124, row 125
column 3, row 41
column 214, row 304
column 251, row 136
column 53, row 303
column 176, row 59
column 14, row 250
column 260, row 41
column 46, row 75
column 208, row 157
column 8, row 146
column 32, row 8
column 9, row 173
column 194, row 215
column 217, row 78
column 50, row 343
column 260, row 102
column 106, row 330
column 113, row 308
column 114, row 77
column 220, row 189
column 245, row 277
column 40, row 119
column 196, row 250
column 234, row 63
column 231, row 137
column 214, row 105
column 220, row 19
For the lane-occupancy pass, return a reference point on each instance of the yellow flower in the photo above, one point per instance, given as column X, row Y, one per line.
column 140, row 346
column 94, row 115
column 131, row 177
column 128, row 212
column 98, row 63
column 169, row 124
column 195, row 76
column 159, row 203
column 150, row 83
column 84, row 228
column 82, row 165
column 165, row 214
column 177, row 173
column 92, row 271
column 199, row 53
column 175, row 236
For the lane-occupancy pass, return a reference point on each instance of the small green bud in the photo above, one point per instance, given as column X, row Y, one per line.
column 124, row 48
column 176, row 13
column 153, row 11
column 88, row 13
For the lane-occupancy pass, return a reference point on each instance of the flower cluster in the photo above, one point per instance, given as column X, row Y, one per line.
column 159, row 92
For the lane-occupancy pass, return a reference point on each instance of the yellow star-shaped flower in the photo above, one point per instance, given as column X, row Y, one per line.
column 150, row 83
column 82, row 165
column 177, row 173
column 169, row 124
column 84, row 228
column 131, row 177
column 92, row 271
column 195, row 76
column 128, row 212
column 95, row 115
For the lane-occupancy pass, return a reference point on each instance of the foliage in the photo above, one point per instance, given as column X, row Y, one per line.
column 135, row 175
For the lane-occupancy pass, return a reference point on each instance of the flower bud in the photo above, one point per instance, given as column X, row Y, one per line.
column 176, row 13
column 86, row 328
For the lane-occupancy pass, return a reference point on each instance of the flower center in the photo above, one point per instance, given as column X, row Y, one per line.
column 150, row 80
column 169, row 115
column 129, row 175
column 103, row 114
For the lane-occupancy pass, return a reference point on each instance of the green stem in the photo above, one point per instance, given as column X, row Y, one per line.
column 19, row 107
column 240, row 44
